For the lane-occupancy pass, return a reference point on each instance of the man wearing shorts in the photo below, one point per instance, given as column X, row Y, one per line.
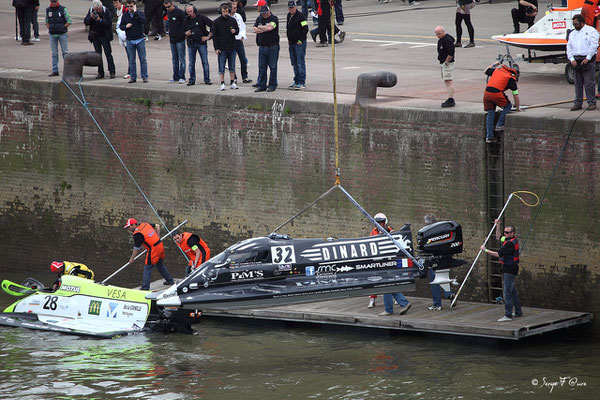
column 445, row 50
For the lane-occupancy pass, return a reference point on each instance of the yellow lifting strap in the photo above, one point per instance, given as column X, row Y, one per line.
column 335, row 107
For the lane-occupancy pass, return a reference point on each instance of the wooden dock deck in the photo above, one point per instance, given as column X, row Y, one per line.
column 467, row 318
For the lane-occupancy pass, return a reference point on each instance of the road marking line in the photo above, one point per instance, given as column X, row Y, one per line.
column 393, row 42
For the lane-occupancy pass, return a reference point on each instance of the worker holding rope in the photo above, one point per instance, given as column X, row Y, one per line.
column 508, row 256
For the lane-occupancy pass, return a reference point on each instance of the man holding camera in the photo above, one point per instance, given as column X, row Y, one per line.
column 100, row 34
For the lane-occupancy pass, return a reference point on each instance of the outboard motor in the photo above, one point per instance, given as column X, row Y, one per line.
column 436, row 245
column 442, row 238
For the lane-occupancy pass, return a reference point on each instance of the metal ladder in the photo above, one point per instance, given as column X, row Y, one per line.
column 495, row 202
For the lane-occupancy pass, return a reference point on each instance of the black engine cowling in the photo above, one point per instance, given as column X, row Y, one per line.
column 442, row 238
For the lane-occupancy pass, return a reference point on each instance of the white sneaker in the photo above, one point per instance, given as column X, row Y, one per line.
column 171, row 81
column 434, row 308
column 36, row 39
column 233, row 85
column 181, row 81
column 222, row 86
column 385, row 313
column 126, row 76
column 505, row 319
column 371, row 303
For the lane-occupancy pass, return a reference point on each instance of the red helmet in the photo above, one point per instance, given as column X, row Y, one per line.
column 130, row 221
column 57, row 266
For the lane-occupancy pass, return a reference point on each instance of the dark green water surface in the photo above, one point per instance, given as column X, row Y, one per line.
column 242, row 359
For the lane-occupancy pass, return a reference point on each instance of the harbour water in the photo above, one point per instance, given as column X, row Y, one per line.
column 244, row 359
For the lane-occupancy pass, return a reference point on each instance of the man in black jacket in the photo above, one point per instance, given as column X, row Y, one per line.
column 297, row 29
column 176, row 18
column 132, row 22
column 197, row 34
column 445, row 48
column 100, row 34
column 224, row 30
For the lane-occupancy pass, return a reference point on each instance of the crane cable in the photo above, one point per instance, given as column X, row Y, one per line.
column 335, row 106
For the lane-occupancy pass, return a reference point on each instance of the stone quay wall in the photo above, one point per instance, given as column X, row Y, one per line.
column 237, row 167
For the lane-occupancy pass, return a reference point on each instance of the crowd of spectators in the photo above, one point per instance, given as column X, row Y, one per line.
column 187, row 27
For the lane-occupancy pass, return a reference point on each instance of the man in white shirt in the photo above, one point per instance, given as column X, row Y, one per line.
column 581, row 52
column 239, row 42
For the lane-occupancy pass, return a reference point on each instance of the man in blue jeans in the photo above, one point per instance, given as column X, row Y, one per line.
column 57, row 22
column 436, row 290
column 176, row 16
column 508, row 255
column 297, row 30
column 502, row 78
column 388, row 298
column 197, row 28
column 266, row 28
column 132, row 22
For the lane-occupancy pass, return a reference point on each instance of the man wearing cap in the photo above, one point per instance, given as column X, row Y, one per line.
column 149, row 236
column 69, row 268
column 266, row 28
column 297, row 29
column 194, row 248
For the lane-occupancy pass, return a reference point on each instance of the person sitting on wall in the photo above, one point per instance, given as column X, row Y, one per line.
column 70, row 268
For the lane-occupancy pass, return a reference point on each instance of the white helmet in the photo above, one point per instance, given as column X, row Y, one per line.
column 380, row 217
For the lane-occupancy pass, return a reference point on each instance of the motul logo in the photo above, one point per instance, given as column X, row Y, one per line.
column 246, row 275
column 559, row 25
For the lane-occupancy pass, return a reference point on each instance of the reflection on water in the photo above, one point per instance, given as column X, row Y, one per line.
column 247, row 360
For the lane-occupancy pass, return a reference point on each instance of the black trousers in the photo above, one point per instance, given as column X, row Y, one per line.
column 25, row 17
column 100, row 43
column 521, row 17
column 467, row 18
column 325, row 25
column 153, row 12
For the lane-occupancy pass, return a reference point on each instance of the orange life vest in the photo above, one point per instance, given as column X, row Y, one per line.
column 376, row 232
column 156, row 250
column 189, row 252
column 500, row 77
column 587, row 11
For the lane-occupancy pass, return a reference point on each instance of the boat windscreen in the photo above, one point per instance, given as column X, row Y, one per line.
column 226, row 258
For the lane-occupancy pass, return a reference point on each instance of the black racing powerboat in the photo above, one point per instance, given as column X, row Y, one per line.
column 277, row 269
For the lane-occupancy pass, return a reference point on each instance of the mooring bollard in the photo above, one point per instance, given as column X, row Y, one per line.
column 74, row 62
column 368, row 82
